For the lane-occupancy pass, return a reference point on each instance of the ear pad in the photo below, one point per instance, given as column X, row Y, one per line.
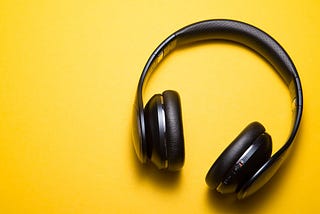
column 164, row 131
column 174, row 130
column 241, row 159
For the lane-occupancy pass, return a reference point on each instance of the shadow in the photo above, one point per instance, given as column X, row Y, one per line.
column 149, row 173
column 230, row 204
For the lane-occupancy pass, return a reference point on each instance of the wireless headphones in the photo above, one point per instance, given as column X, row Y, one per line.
column 246, row 164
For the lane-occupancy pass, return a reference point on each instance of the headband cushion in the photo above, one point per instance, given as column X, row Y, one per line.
column 174, row 130
column 232, row 153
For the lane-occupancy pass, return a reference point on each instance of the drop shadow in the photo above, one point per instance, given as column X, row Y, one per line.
column 149, row 173
column 229, row 203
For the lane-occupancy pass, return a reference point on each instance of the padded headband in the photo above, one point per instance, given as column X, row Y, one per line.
column 246, row 35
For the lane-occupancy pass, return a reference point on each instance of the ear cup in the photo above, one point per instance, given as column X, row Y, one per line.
column 174, row 130
column 253, row 158
column 244, row 152
column 155, row 132
column 164, row 131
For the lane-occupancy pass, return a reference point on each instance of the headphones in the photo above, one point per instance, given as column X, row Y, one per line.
column 246, row 164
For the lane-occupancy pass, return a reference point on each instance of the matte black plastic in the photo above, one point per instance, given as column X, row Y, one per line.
column 138, row 132
column 248, row 164
column 232, row 153
column 262, row 176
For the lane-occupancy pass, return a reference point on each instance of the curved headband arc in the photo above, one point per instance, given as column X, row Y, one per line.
column 244, row 34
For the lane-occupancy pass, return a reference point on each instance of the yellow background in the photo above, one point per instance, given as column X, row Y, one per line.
column 68, row 74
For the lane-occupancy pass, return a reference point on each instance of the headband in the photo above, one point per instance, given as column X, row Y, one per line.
column 246, row 35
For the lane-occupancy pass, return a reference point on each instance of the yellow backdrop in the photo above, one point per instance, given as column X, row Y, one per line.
column 68, row 74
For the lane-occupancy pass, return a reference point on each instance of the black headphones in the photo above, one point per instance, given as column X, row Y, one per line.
column 246, row 164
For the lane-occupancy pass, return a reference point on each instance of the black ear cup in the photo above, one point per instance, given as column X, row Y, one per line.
column 155, row 132
column 164, row 131
column 241, row 159
column 174, row 130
